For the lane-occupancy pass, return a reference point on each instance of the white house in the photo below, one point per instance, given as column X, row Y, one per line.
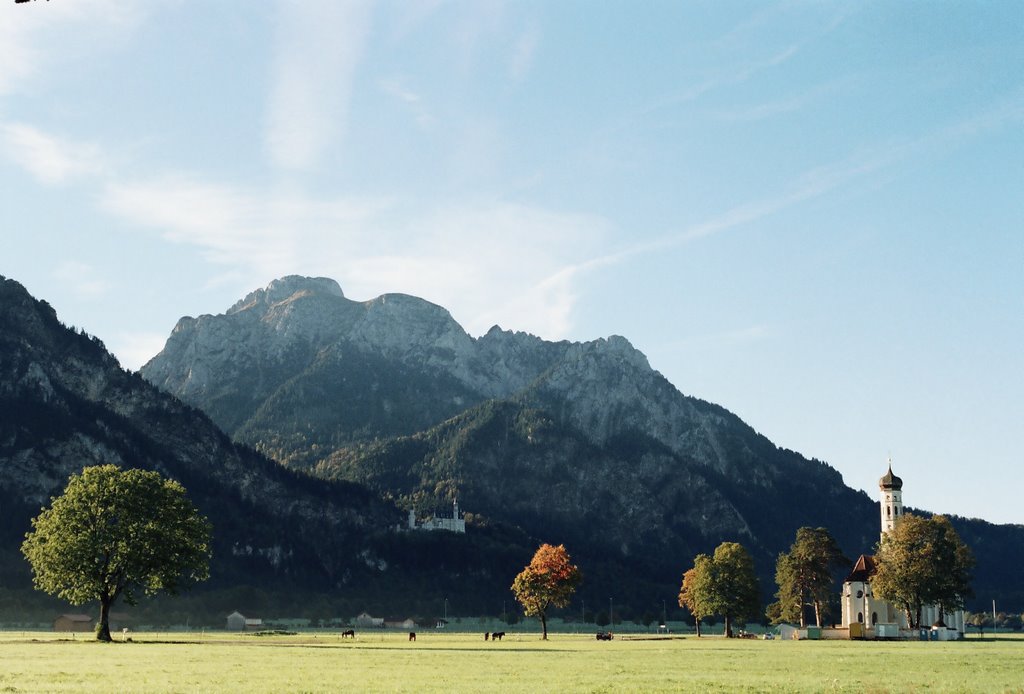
column 871, row 617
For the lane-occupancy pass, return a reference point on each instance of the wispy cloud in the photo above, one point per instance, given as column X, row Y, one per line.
column 83, row 279
column 233, row 225
column 812, row 184
column 48, row 158
column 318, row 47
column 396, row 88
column 487, row 261
column 796, row 102
column 30, row 38
column 522, row 53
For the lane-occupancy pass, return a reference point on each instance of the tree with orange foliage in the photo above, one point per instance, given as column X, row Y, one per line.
column 549, row 581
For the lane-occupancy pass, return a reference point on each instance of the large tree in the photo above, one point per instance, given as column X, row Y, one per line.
column 804, row 575
column 922, row 561
column 725, row 584
column 548, row 581
column 693, row 594
column 115, row 533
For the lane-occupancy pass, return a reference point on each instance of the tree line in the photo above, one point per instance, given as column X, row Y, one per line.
column 921, row 561
column 119, row 534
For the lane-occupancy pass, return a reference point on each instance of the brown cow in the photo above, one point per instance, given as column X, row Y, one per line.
column 496, row 636
column 487, row 635
column 412, row 635
column 351, row 633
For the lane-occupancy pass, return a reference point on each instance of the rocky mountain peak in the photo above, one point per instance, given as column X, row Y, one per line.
column 286, row 288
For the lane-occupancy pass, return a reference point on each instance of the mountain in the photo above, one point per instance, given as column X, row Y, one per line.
column 582, row 443
column 65, row 403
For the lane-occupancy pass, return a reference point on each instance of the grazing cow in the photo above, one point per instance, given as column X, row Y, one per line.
column 412, row 635
column 604, row 636
column 351, row 633
column 496, row 636
column 487, row 635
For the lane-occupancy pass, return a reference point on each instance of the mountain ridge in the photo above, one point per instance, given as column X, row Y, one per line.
column 581, row 442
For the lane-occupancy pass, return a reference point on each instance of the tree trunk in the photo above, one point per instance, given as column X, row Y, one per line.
column 942, row 616
column 544, row 625
column 103, row 628
column 697, row 619
column 817, row 613
column 728, row 627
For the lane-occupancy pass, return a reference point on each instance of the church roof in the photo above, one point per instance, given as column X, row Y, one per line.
column 863, row 570
column 890, row 481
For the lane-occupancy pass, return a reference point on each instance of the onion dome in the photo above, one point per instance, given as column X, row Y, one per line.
column 890, row 481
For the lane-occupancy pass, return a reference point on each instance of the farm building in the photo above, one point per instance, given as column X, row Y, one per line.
column 239, row 622
column 365, row 619
column 73, row 622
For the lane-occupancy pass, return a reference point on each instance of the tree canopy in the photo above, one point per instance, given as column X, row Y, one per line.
column 115, row 533
column 724, row 584
column 922, row 561
column 548, row 581
column 694, row 591
column 804, row 576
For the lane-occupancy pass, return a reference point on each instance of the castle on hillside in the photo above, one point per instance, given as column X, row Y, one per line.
column 455, row 524
column 870, row 617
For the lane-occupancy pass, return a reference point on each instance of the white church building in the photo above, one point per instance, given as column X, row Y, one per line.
column 869, row 617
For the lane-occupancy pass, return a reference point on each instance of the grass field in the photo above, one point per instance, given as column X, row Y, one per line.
column 47, row 662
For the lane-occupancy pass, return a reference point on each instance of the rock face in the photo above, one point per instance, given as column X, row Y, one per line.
column 300, row 346
column 572, row 437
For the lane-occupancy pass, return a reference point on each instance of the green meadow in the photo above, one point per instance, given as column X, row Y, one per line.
column 323, row 662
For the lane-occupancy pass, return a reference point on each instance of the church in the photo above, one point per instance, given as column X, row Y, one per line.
column 866, row 616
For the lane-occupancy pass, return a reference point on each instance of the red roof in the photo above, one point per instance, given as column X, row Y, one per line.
column 863, row 570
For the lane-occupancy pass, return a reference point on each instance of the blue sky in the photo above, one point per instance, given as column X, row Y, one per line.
column 808, row 212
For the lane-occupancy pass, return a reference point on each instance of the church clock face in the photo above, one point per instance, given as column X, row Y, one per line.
column 860, row 594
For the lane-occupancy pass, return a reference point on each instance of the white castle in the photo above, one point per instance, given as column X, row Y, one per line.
column 872, row 617
column 455, row 524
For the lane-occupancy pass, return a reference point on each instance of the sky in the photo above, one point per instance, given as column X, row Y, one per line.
column 810, row 213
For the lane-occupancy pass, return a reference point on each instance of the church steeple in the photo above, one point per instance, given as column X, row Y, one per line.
column 891, row 487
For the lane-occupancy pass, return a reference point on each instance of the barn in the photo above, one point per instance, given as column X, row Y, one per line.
column 239, row 622
column 73, row 622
